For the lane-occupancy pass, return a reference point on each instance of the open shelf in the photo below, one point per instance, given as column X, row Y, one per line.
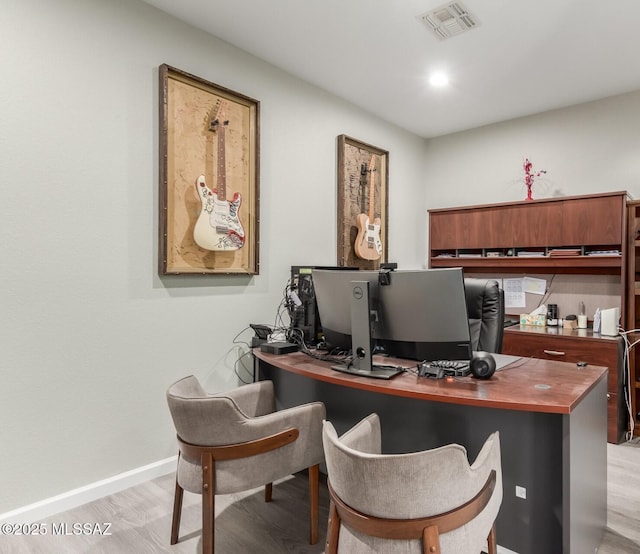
column 544, row 264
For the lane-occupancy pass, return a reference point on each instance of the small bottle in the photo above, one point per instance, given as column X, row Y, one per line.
column 552, row 315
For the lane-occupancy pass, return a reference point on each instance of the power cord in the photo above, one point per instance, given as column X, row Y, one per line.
column 627, row 379
column 547, row 292
column 238, row 363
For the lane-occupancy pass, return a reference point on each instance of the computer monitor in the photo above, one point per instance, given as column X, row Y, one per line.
column 419, row 315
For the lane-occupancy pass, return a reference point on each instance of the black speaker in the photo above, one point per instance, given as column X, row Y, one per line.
column 483, row 365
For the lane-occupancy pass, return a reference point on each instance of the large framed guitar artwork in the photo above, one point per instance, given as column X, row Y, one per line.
column 363, row 172
column 209, row 201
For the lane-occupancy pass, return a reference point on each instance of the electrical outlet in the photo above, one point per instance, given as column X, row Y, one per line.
column 521, row 492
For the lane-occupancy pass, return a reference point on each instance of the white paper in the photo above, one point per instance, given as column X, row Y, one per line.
column 535, row 286
column 541, row 309
column 514, row 293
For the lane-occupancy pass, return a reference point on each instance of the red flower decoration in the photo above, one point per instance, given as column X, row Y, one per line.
column 530, row 176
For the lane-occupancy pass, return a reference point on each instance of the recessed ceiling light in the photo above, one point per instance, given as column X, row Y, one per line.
column 439, row 80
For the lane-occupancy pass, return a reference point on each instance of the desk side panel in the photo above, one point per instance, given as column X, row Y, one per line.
column 585, row 479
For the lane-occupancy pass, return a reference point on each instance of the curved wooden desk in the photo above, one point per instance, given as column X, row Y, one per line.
column 530, row 384
column 552, row 422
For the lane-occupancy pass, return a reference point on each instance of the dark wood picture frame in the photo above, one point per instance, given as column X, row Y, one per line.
column 362, row 169
column 209, row 178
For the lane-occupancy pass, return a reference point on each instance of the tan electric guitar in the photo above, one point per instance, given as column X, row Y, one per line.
column 367, row 244
column 218, row 226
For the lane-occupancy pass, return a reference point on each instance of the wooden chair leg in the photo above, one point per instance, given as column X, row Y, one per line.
column 333, row 530
column 177, row 511
column 314, row 502
column 268, row 492
column 491, row 541
column 208, row 504
column 431, row 540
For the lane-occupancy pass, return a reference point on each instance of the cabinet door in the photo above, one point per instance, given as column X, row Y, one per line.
column 443, row 230
column 462, row 229
column 496, row 225
column 536, row 225
column 593, row 221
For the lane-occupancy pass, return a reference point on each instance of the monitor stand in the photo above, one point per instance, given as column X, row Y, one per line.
column 361, row 343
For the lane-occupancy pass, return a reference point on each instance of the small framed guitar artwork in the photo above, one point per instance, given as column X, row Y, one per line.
column 209, row 148
column 363, row 194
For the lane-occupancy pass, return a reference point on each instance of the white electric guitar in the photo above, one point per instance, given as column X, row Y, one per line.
column 218, row 226
column 367, row 244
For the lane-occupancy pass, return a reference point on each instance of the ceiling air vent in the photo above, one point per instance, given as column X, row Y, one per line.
column 449, row 20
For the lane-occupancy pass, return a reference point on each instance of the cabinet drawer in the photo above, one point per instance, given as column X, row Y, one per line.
column 566, row 349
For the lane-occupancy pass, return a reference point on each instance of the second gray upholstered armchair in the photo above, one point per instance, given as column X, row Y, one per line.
column 235, row 441
column 423, row 502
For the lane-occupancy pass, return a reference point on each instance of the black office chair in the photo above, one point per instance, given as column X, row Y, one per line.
column 485, row 307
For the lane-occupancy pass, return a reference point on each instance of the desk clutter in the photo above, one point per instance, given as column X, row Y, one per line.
column 605, row 321
column 482, row 366
column 439, row 369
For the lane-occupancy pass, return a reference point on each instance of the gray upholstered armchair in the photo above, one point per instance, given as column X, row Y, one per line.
column 429, row 501
column 235, row 441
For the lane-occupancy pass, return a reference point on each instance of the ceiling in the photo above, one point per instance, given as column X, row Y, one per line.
column 522, row 57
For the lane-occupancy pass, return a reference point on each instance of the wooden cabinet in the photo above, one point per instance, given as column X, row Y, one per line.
column 534, row 237
column 576, row 345
column 633, row 308
column 494, row 237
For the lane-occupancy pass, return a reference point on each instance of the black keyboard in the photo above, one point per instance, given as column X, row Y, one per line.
column 449, row 364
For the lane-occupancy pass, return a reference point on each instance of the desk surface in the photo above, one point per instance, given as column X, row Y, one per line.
column 529, row 384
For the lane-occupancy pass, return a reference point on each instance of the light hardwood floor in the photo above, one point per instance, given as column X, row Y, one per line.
column 141, row 519
column 623, row 500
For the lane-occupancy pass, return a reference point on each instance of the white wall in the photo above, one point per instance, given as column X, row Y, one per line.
column 90, row 335
column 585, row 149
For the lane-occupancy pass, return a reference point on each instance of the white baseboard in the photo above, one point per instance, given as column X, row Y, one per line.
column 76, row 497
